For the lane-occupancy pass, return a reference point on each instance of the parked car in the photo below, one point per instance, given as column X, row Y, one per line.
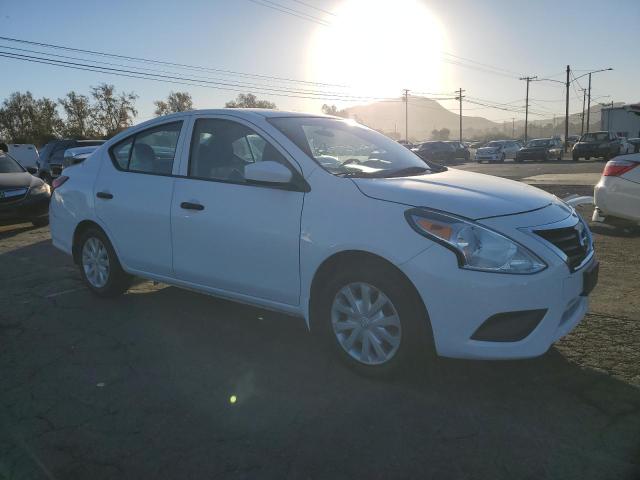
column 596, row 144
column 635, row 144
column 24, row 153
column 73, row 156
column 573, row 139
column 625, row 146
column 23, row 197
column 617, row 194
column 497, row 151
column 407, row 144
column 381, row 257
column 460, row 150
column 52, row 156
column 541, row 149
column 436, row 151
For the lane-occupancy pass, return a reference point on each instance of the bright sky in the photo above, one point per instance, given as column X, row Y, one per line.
column 364, row 48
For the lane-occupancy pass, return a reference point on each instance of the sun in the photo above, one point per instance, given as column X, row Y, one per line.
column 379, row 47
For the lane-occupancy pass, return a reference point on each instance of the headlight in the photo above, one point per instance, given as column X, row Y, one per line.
column 476, row 246
column 40, row 189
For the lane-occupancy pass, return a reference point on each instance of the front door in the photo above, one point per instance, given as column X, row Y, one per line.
column 228, row 234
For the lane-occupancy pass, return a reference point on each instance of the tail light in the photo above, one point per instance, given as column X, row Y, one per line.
column 59, row 181
column 615, row 168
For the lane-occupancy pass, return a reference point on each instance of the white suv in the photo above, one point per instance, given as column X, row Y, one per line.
column 383, row 254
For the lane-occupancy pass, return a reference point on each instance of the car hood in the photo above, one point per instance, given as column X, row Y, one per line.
column 15, row 180
column 488, row 150
column 471, row 195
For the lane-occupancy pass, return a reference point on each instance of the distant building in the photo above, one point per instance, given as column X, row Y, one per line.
column 624, row 120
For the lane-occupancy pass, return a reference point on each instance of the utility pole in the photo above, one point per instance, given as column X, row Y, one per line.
column 460, row 97
column 566, row 114
column 513, row 127
column 584, row 99
column 589, row 104
column 406, row 114
column 526, row 109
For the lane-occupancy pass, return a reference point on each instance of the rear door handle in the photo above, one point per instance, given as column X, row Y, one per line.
column 104, row 195
column 191, row 206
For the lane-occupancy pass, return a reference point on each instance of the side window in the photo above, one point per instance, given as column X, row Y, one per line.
column 121, row 151
column 220, row 149
column 149, row 151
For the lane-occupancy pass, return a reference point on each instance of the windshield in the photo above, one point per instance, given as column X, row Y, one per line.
column 345, row 148
column 494, row 144
column 595, row 137
column 9, row 165
column 540, row 142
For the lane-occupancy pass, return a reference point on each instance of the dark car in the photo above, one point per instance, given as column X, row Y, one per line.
column 596, row 144
column 635, row 143
column 461, row 150
column 541, row 149
column 52, row 156
column 438, row 152
column 23, row 197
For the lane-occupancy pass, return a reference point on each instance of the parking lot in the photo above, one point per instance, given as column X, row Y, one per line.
column 166, row 383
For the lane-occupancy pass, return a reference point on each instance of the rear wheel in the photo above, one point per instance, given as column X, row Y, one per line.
column 99, row 265
column 373, row 320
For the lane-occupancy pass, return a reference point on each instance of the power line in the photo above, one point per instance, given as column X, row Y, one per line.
column 314, row 7
column 213, row 80
column 291, row 11
column 166, row 63
column 159, row 78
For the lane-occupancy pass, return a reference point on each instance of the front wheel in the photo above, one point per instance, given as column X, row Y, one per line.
column 99, row 265
column 373, row 319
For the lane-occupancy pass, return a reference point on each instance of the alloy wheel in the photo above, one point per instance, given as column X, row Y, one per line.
column 366, row 324
column 95, row 262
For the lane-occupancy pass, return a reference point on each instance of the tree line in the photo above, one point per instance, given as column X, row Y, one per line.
column 100, row 114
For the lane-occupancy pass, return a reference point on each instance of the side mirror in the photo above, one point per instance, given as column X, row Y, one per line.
column 32, row 170
column 268, row 172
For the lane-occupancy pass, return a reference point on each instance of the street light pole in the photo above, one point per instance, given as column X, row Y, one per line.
column 406, row 115
column 584, row 99
column 566, row 114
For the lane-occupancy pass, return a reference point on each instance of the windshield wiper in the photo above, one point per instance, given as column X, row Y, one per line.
column 405, row 172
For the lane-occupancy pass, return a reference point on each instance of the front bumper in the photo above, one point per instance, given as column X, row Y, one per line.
column 26, row 208
column 460, row 301
column 533, row 155
column 591, row 152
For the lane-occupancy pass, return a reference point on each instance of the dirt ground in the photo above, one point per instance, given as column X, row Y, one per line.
column 142, row 386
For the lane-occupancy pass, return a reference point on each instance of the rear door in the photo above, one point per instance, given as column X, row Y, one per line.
column 133, row 196
column 229, row 234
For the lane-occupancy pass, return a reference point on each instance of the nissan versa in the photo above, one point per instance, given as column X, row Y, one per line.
column 384, row 254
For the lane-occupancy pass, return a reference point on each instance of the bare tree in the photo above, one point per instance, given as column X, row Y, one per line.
column 24, row 119
column 79, row 122
column 176, row 102
column 249, row 100
column 113, row 112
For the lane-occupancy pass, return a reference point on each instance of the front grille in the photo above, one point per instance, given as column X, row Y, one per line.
column 572, row 241
column 12, row 195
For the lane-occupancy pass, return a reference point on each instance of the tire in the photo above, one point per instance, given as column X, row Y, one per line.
column 575, row 158
column 40, row 222
column 99, row 252
column 587, row 158
column 502, row 158
column 517, row 159
column 332, row 320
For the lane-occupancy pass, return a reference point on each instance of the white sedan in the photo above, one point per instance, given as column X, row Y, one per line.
column 617, row 194
column 381, row 253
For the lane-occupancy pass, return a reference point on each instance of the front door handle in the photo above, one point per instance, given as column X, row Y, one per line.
column 104, row 195
column 191, row 206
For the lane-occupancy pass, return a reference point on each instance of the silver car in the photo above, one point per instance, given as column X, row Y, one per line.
column 498, row 151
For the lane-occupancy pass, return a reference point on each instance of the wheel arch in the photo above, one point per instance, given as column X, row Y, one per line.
column 82, row 227
column 346, row 259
